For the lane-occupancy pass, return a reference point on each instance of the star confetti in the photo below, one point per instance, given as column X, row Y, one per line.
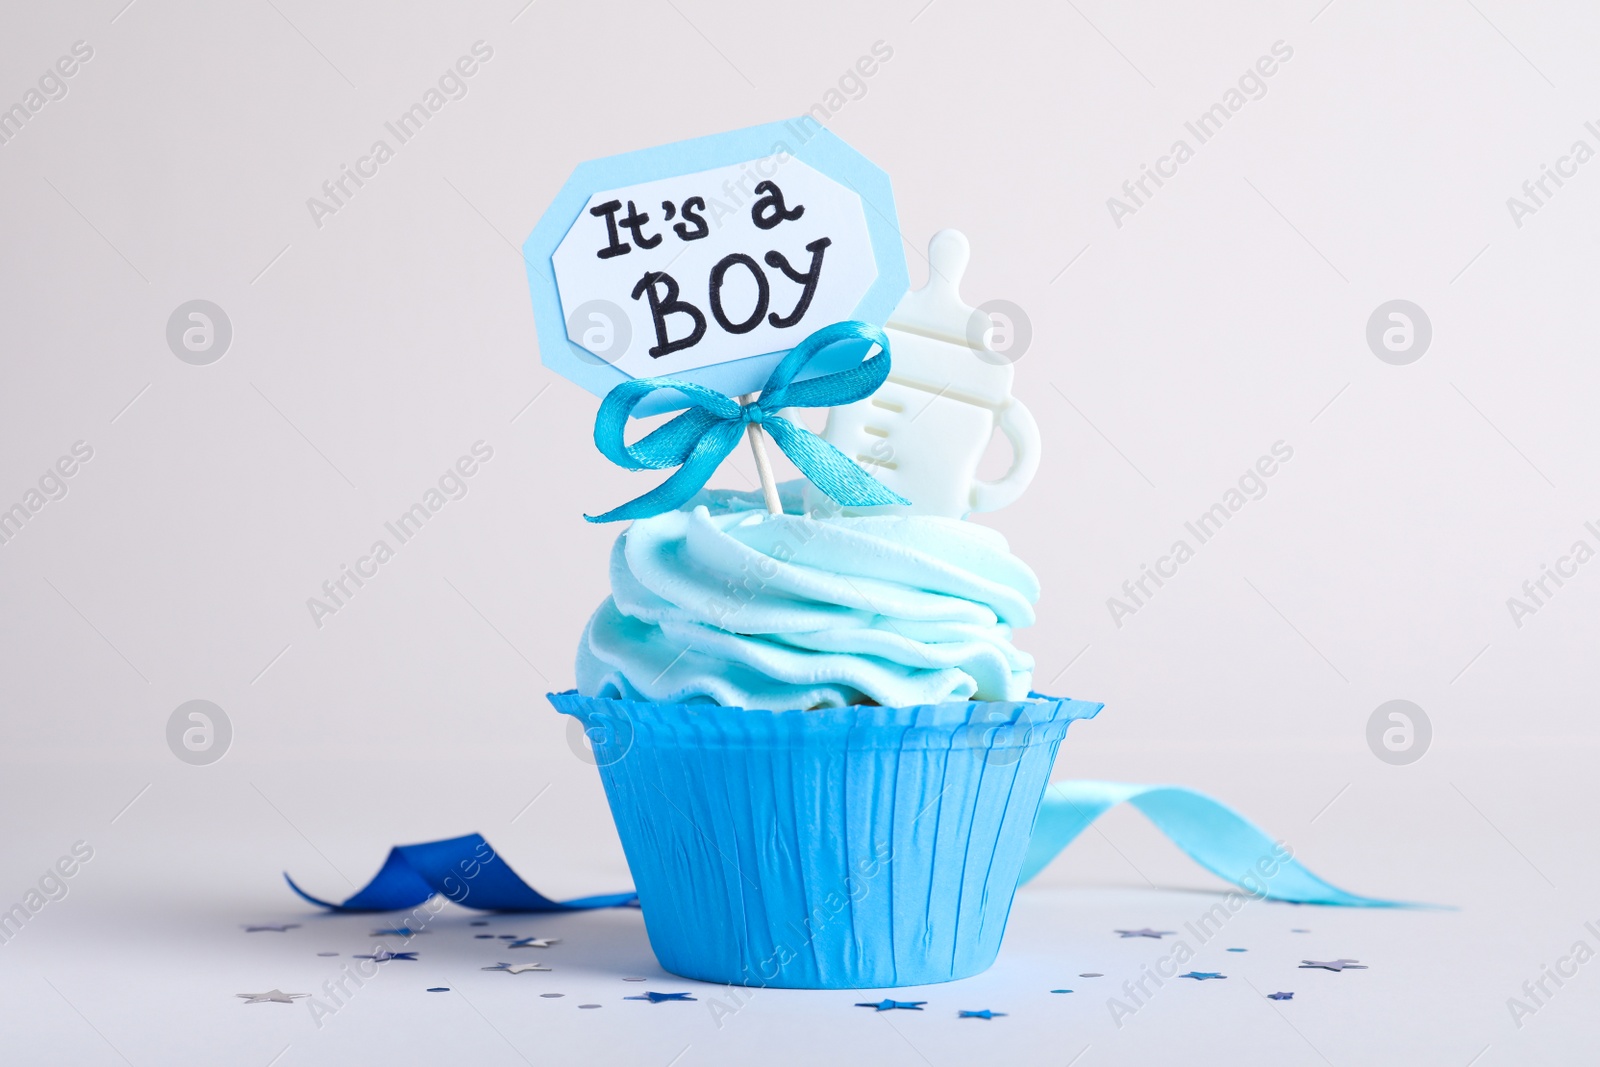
column 534, row 942
column 1060, row 990
column 271, row 996
column 657, row 998
column 1333, row 965
column 273, row 928
column 1280, row 996
column 397, row 931
column 984, row 1014
column 1238, row 950
column 1091, row 974
column 438, row 989
column 1146, row 932
column 517, row 968
column 479, row 922
column 890, row 1005
column 386, row 956
column 1201, row 976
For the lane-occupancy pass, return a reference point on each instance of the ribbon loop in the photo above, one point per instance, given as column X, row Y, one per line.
column 697, row 441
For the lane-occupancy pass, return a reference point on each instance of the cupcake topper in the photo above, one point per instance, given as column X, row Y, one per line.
column 943, row 364
column 693, row 273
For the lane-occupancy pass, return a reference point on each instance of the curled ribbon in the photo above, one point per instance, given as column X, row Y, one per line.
column 698, row 440
column 468, row 871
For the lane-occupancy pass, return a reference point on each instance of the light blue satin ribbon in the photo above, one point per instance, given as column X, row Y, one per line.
column 697, row 441
column 1213, row 834
column 469, row 872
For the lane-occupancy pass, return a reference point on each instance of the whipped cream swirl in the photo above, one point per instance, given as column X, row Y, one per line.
column 722, row 603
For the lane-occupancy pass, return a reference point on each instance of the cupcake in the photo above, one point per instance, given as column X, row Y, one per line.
column 820, row 746
column 817, row 739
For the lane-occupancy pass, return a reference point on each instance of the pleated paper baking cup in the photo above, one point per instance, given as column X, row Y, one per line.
column 845, row 848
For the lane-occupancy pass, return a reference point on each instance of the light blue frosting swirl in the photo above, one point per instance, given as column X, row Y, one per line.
column 722, row 603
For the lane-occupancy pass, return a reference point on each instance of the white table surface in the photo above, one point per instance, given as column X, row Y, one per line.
column 141, row 961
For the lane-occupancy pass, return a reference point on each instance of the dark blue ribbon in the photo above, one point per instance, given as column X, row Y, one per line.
column 464, row 869
column 697, row 441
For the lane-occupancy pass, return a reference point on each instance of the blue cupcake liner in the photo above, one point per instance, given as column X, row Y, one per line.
column 846, row 848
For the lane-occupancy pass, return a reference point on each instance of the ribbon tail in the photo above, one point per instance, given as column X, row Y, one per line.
column 303, row 895
column 830, row 470
column 464, row 869
column 708, row 454
column 1213, row 834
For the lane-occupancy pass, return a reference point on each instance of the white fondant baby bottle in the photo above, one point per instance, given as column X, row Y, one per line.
column 924, row 432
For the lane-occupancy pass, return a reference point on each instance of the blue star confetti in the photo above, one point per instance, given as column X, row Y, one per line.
column 1201, row 976
column 1238, row 950
column 479, row 922
column 386, row 956
column 1060, row 990
column 1146, row 932
column 272, row 928
column 438, row 989
column 397, row 931
column 534, row 942
column 657, row 998
column 1333, row 965
column 984, row 1014
column 891, row 1005
column 1280, row 996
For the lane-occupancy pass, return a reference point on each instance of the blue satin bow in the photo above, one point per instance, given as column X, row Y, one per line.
column 697, row 441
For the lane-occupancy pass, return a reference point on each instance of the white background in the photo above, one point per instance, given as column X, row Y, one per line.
column 1167, row 355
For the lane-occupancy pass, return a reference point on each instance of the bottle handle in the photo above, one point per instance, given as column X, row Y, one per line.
column 1016, row 422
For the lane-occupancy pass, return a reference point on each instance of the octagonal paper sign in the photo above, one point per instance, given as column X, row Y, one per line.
column 707, row 260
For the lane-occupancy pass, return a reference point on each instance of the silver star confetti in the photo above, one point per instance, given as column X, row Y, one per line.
column 274, row 928
column 517, row 968
column 534, row 942
column 271, row 996
column 1146, row 932
column 1333, row 965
